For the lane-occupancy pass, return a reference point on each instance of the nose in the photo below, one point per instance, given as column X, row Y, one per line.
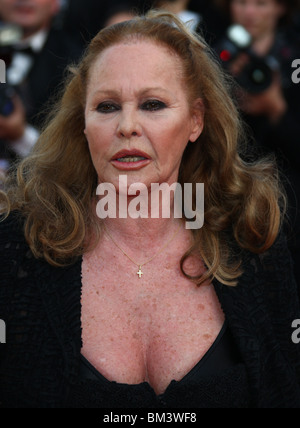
column 129, row 125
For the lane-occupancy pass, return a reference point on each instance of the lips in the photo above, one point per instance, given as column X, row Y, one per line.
column 135, row 155
column 130, row 159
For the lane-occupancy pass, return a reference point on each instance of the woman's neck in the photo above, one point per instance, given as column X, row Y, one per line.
column 142, row 220
column 142, row 236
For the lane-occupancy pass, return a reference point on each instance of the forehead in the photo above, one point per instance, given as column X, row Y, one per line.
column 136, row 62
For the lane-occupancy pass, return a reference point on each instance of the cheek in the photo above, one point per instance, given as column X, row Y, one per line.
column 266, row 14
column 98, row 136
column 237, row 13
column 170, row 144
column 274, row 16
column 98, row 144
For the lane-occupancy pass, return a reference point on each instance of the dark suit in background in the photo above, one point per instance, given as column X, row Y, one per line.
column 48, row 71
column 84, row 19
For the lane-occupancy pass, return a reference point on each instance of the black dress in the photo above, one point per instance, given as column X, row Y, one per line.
column 218, row 380
column 253, row 363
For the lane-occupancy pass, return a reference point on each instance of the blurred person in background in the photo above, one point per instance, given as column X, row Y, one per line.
column 84, row 19
column 120, row 12
column 36, row 61
column 206, row 16
column 182, row 10
column 273, row 114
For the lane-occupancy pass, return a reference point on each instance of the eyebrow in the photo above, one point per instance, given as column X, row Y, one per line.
column 143, row 92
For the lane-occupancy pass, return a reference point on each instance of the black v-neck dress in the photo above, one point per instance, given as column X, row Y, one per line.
column 253, row 363
column 218, row 380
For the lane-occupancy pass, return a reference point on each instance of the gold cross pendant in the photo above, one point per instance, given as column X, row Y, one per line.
column 140, row 273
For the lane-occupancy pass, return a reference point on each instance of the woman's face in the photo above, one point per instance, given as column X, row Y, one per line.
column 31, row 15
column 259, row 17
column 138, row 116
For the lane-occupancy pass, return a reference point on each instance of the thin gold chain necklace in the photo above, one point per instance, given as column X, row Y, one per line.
column 140, row 265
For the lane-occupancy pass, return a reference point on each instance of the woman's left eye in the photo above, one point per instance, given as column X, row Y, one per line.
column 153, row 105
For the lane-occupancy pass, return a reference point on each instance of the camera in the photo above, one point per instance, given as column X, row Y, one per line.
column 7, row 94
column 10, row 35
column 6, row 109
column 256, row 73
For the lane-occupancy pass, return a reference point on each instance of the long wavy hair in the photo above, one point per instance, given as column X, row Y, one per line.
column 55, row 187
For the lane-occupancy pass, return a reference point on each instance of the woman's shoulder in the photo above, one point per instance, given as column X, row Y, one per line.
column 12, row 238
column 278, row 259
column 270, row 275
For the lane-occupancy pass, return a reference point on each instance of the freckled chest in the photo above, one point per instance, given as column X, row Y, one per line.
column 151, row 329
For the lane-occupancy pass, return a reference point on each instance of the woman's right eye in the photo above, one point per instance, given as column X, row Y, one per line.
column 107, row 108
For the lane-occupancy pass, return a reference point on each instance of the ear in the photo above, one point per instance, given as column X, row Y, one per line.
column 198, row 113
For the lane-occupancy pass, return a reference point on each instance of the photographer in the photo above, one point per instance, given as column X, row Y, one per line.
column 84, row 19
column 181, row 9
column 273, row 112
column 13, row 142
column 36, row 61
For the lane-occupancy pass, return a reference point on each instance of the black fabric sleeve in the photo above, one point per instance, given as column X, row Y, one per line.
column 282, row 298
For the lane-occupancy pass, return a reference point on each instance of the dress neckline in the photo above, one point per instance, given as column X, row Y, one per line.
column 221, row 355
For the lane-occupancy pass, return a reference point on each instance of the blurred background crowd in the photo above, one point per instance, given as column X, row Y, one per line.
column 256, row 41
